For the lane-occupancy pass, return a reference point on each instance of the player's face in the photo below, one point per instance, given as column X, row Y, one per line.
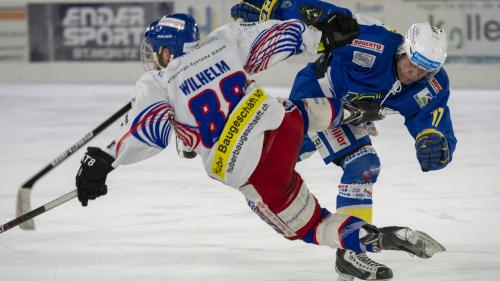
column 408, row 72
column 164, row 57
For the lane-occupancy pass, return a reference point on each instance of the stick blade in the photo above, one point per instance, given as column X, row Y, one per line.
column 23, row 206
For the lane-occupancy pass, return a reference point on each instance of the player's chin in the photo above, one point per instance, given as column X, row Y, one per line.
column 406, row 81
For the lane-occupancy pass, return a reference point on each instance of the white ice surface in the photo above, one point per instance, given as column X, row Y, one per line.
column 164, row 219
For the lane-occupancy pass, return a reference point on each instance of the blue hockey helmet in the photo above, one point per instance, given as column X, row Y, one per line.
column 177, row 32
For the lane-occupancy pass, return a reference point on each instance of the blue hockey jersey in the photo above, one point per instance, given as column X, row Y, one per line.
column 366, row 69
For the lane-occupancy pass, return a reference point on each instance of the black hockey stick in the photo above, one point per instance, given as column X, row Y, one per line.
column 23, row 202
column 38, row 211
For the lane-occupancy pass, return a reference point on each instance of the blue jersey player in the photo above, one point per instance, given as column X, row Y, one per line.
column 379, row 70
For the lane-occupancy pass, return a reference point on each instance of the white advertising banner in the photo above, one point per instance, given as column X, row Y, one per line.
column 208, row 14
column 13, row 35
column 473, row 27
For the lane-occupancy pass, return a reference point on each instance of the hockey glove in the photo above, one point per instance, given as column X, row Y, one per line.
column 183, row 151
column 337, row 31
column 248, row 10
column 91, row 177
column 358, row 112
column 432, row 150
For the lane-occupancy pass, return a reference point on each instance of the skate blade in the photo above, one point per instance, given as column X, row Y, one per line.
column 429, row 245
column 343, row 277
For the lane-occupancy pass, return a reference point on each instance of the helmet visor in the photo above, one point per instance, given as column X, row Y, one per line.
column 148, row 56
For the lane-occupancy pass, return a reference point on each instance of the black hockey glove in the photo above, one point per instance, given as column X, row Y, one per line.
column 338, row 30
column 91, row 177
column 358, row 112
column 432, row 150
column 183, row 151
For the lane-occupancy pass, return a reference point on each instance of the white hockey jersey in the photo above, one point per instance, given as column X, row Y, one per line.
column 204, row 96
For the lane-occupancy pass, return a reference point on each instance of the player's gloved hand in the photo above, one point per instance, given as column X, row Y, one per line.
column 183, row 150
column 247, row 10
column 338, row 30
column 432, row 150
column 361, row 111
column 91, row 177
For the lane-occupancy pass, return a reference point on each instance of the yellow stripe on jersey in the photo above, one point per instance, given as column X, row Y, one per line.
column 237, row 122
column 362, row 213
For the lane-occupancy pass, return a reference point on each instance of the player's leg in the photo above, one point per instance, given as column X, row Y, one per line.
column 361, row 169
column 280, row 197
column 349, row 147
column 333, row 145
column 277, row 193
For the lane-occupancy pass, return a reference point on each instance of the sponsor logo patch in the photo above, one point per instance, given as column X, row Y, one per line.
column 423, row 62
column 356, row 191
column 171, row 22
column 248, row 23
column 363, row 59
column 338, row 139
column 368, row 45
column 423, row 97
column 239, row 124
column 435, row 85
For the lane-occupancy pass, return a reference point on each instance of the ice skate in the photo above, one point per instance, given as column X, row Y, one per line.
column 412, row 241
column 350, row 265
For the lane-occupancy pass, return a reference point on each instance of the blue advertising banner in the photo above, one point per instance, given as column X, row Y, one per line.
column 90, row 32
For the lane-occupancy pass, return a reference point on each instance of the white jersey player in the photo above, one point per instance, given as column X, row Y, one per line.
column 246, row 138
column 194, row 95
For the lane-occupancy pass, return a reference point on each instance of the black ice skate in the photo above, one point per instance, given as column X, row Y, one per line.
column 350, row 265
column 412, row 241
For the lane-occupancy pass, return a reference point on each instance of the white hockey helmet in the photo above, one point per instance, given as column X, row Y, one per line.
column 425, row 46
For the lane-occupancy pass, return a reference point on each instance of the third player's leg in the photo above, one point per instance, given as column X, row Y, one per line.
column 361, row 169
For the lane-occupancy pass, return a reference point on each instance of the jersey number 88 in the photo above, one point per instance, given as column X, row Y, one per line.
column 206, row 107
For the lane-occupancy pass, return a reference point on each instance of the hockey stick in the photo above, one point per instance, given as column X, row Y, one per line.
column 38, row 211
column 23, row 202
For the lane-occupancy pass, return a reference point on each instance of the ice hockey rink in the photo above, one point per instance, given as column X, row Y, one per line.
column 164, row 219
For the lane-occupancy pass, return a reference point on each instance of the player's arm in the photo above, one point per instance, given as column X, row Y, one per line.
column 265, row 44
column 433, row 132
column 144, row 132
column 337, row 25
column 268, row 43
column 147, row 128
column 309, row 11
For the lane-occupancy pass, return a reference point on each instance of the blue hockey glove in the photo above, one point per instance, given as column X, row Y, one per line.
column 91, row 177
column 311, row 12
column 248, row 10
column 269, row 8
column 262, row 10
column 432, row 150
